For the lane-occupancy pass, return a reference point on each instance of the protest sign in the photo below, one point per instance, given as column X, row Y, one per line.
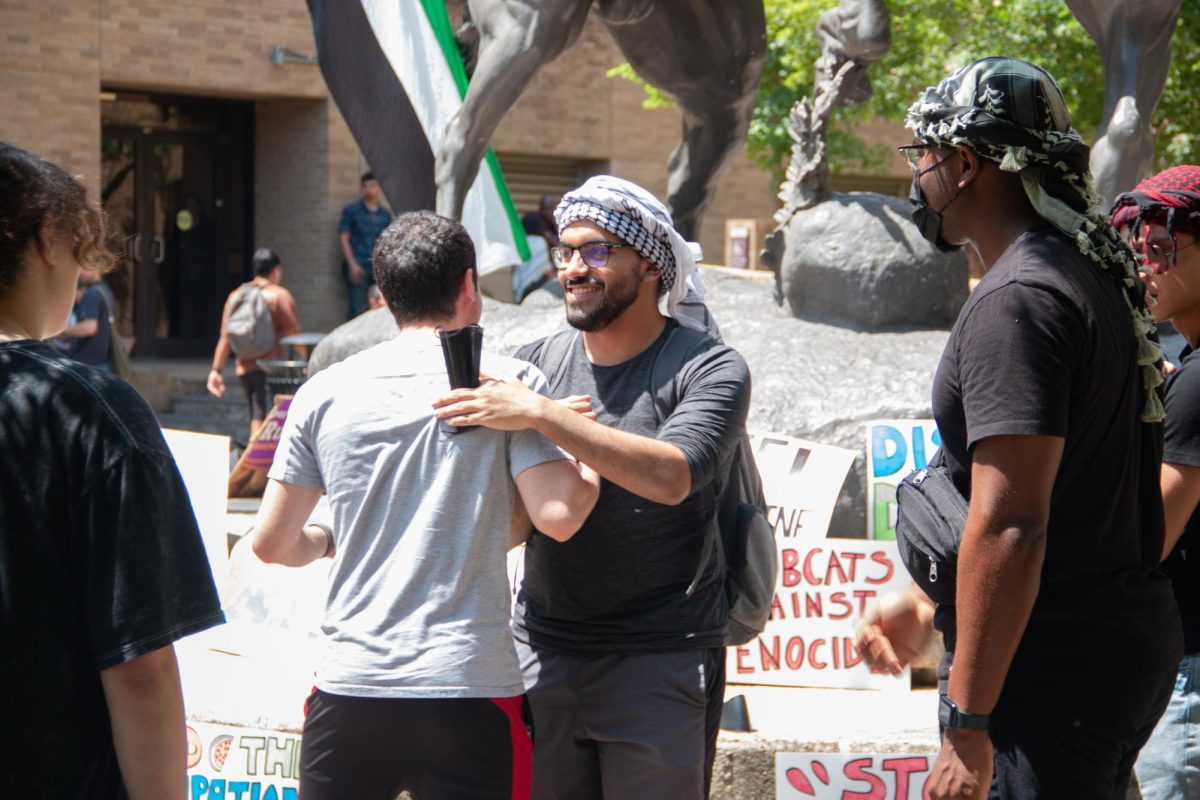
column 852, row 776
column 894, row 448
column 203, row 461
column 249, row 475
column 229, row 762
column 823, row 585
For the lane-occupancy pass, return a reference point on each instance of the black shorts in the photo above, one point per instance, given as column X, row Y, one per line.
column 372, row 748
column 254, row 384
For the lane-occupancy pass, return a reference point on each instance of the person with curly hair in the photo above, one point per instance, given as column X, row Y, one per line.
column 101, row 564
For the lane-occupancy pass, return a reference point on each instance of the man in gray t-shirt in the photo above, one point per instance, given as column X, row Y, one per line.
column 417, row 680
column 623, row 657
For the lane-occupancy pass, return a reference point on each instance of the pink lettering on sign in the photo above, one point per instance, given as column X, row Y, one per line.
column 852, row 776
column 262, row 450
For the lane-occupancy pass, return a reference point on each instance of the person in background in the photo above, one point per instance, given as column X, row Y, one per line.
column 268, row 277
column 359, row 228
column 1161, row 220
column 102, row 567
column 89, row 337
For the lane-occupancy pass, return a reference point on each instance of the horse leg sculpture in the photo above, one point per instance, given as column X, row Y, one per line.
column 708, row 56
column 516, row 37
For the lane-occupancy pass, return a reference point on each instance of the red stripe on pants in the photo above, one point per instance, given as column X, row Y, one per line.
column 522, row 747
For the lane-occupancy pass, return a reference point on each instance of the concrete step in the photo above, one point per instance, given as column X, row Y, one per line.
column 231, row 406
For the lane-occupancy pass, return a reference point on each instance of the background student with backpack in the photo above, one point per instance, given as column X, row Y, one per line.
column 622, row 630
column 257, row 315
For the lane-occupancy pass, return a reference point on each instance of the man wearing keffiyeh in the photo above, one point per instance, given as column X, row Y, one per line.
column 1161, row 219
column 1063, row 639
column 621, row 635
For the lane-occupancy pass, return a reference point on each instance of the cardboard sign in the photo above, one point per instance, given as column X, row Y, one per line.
column 229, row 762
column 801, row 481
column 894, row 448
column 824, row 584
column 249, row 475
column 852, row 776
column 823, row 588
column 203, row 462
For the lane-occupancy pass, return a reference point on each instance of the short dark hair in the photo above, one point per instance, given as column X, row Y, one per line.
column 32, row 191
column 265, row 260
column 419, row 263
column 367, row 176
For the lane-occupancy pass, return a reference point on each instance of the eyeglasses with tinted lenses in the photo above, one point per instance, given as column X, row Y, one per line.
column 594, row 254
column 913, row 153
column 1156, row 258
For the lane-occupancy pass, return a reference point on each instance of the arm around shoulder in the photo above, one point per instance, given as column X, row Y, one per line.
column 558, row 496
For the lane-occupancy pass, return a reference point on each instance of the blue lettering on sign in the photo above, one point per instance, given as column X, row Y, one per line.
column 204, row 788
column 886, row 463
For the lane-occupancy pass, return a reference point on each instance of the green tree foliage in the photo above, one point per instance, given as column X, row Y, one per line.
column 930, row 39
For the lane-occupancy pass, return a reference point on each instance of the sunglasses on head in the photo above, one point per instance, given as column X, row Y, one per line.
column 594, row 254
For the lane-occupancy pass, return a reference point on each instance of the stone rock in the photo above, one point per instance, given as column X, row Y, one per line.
column 858, row 260
column 811, row 380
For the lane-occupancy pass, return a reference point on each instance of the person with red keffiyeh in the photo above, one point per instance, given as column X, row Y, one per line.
column 1161, row 220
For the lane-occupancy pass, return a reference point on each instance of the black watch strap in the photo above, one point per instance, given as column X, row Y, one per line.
column 951, row 716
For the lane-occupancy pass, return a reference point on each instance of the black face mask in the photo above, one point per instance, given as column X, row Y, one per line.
column 928, row 221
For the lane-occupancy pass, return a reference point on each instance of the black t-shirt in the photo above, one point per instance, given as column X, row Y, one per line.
column 1045, row 346
column 94, row 349
column 1181, row 445
column 619, row 584
column 100, row 562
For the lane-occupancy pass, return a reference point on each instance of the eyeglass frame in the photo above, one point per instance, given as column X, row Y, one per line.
column 563, row 263
column 1162, row 260
column 906, row 149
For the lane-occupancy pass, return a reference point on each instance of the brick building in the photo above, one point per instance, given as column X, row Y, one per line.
column 204, row 148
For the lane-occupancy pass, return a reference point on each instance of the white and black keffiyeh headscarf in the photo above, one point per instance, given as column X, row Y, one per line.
column 1013, row 113
column 629, row 212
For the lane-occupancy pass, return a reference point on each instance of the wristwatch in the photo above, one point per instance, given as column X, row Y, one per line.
column 951, row 716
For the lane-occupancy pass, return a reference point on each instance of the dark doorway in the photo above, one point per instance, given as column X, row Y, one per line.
column 176, row 186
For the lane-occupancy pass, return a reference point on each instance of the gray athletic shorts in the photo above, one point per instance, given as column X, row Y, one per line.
column 622, row 727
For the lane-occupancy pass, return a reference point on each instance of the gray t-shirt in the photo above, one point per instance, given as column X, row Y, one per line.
column 418, row 602
column 619, row 585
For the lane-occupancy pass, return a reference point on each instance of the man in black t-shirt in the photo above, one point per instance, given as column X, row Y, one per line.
column 89, row 339
column 623, row 662
column 1161, row 219
column 1063, row 640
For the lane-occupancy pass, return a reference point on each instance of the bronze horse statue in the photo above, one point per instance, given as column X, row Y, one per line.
column 706, row 54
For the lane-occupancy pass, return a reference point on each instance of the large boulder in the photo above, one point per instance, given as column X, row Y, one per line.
column 810, row 380
column 858, row 260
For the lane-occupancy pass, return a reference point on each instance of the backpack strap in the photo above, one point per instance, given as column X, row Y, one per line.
column 551, row 357
column 680, row 344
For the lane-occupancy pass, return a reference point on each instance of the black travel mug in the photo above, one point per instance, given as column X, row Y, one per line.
column 462, row 348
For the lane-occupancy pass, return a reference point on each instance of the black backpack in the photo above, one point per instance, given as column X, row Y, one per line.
column 743, row 540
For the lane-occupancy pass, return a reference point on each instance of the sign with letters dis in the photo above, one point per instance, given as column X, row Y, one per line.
column 895, row 447
column 229, row 762
column 852, row 776
column 824, row 584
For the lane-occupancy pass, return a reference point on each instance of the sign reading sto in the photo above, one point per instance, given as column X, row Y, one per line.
column 824, row 583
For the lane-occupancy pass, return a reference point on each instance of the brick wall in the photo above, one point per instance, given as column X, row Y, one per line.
column 306, row 168
column 50, row 82
column 209, row 47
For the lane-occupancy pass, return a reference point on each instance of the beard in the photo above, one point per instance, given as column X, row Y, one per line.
column 614, row 298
